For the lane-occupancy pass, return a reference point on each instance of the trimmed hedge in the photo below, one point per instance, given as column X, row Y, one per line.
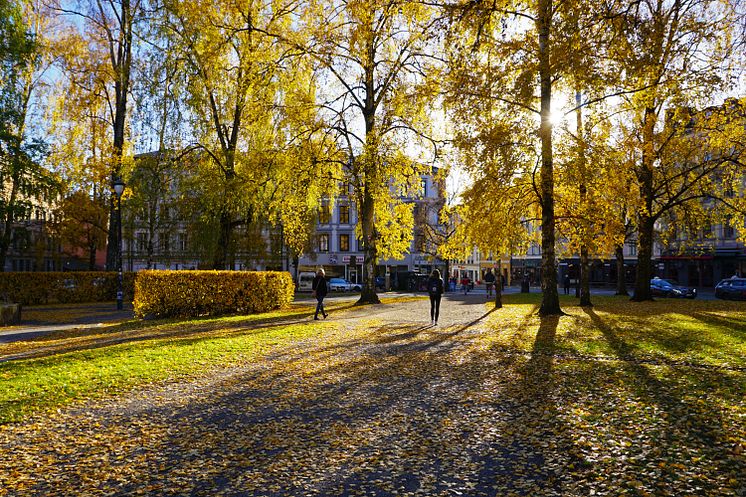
column 30, row 288
column 163, row 293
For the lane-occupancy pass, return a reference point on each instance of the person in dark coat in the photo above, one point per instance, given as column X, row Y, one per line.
column 567, row 283
column 435, row 290
column 320, row 289
column 489, row 280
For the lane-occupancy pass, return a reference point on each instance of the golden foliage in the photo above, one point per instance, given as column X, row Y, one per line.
column 28, row 288
column 200, row 293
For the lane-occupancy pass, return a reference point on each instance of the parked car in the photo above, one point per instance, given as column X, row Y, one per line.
column 669, row 288
column 305, row 281
column 342, row 285
column 731, row 289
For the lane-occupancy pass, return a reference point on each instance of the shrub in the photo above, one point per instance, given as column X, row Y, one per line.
column 210, row 293
column 29, row 288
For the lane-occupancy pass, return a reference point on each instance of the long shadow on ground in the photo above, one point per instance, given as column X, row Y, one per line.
column 397, row 412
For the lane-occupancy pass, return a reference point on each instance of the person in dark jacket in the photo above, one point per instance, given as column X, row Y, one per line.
column 489, row 281
column 435, row 289
column 567, row 283
column 320, row 290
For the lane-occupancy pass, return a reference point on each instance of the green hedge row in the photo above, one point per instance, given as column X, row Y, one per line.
column 30, row 288
column 210, row 293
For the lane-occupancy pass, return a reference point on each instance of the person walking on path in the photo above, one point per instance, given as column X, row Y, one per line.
column 435, row 289
column 320, row 289
column 489, row 279
column 465, row 284
column 566, row 281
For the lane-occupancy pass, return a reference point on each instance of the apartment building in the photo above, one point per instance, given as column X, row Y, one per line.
column 337, row 249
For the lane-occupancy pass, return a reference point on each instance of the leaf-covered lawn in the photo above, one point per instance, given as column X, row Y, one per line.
column 672, row 330
column 374, row 402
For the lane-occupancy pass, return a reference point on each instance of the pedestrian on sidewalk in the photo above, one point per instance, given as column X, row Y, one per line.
column 465, row 284
column 489, row 280
column 435, row 289
column 567, row 283
column 320, row 290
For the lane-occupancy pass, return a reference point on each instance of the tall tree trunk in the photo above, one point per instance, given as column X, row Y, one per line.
column 92, row 254
column 121, row 60
column 225, row 236
column 368, row 294
column 646, row 221
column 8, row 221
column 499, row 286
column 585, row 278
column 5, row 240
column 152, row 213
column 550, row 296
column 644, row 259
column 621, row 274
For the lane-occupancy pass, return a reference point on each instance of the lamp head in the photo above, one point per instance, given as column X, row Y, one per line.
column 118, row 185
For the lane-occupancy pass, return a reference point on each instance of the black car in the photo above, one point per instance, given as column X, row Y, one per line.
column 669, row 288
column 731, row 289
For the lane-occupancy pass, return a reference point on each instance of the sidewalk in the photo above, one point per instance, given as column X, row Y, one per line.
column 41, row 320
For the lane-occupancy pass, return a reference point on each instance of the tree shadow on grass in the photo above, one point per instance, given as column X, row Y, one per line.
column 688, row 430
column 167, row 329
column 424, row 417
column 544, row 455
column 734, row 326
column 427, row 418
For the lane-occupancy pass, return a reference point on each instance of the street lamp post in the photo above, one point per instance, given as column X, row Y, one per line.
column 119, row 189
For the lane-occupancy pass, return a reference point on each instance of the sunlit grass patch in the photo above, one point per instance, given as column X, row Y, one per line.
column 708, row 332
column 31, row 385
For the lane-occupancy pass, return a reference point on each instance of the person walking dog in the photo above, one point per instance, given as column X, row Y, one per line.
column 435, row 289
column 320, row 290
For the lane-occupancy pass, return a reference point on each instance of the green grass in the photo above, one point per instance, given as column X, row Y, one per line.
column 77, row 365
column 693, row 331
column 28, row 386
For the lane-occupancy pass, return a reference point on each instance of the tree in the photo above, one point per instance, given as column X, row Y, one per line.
column 251, row 100
column 24, row 180
column 81, row 224
column 374, row 57
column 508, row 54
column 108, row 36
column 151, row 184
column 676, row 52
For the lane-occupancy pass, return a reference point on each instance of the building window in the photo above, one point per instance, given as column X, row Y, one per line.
column 182, row 242
column 344, row 214
column 729, row 232
column 424, row 187
column 325, row 215
column 632, row 248
column 165, row 242
column 360, row 245
column 142, row 242
column 324, row 242
column 344, row 243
